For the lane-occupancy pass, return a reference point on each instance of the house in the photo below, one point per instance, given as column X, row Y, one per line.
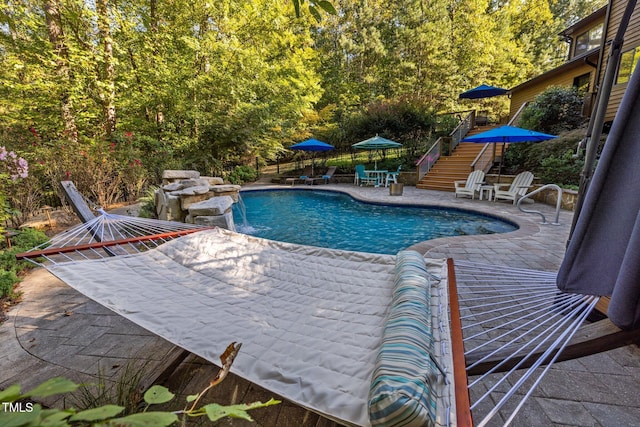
column 584, row 69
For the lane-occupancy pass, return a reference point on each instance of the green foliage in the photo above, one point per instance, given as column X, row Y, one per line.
column 564, row 171
column 210, row 85
column 10, row 268
column 555, row 110
column 148, row 204
column 124, row 392
column 552, row 160
column 33, row 415
column 8, row 279
column 243, row 174
column 28, row 238
column 315, row 8
column 407, row 121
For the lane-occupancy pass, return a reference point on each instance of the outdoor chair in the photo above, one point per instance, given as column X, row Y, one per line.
column 302, row 178
column 363, row 178
column 324, row 178
column 392, row 176
column 518, row 188
column 471, row 185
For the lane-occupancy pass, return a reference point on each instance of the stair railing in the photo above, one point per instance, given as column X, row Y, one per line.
column 426, row 162
column 466, row 124
column 536, row 191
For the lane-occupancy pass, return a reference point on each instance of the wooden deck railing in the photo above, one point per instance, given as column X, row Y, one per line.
column 426, row 162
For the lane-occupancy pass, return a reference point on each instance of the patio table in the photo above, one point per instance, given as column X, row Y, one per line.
column 379, row 174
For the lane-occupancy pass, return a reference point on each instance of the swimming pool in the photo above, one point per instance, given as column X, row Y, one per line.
column 335, row 220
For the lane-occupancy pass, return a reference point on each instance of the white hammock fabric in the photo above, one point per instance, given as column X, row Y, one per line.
column 310, row 319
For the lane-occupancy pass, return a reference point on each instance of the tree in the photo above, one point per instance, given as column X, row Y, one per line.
column 63, row 73
column 107, row 74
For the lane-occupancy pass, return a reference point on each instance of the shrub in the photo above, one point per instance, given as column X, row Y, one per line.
column 148, row 204
column 563, row 171
column 10, row 267
column 242, row 174
column 552, row 161
column 7, row 281
column 555, row 110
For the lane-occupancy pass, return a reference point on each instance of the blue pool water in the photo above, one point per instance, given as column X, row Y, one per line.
column 335, row 220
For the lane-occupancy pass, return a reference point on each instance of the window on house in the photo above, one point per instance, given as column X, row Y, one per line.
column 588, row 40
column 581, row 83
column 628, row 62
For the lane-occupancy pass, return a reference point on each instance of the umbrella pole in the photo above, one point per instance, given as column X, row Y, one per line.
column 501, row 161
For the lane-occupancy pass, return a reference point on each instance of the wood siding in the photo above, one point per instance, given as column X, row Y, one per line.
column 528, row 93
column 631, row 40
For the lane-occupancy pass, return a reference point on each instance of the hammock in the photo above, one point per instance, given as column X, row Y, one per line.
column 319, row 326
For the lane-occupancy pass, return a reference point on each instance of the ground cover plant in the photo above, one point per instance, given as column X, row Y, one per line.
column 20, row 410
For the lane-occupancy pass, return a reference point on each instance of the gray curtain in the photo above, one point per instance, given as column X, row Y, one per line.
column 603, row 257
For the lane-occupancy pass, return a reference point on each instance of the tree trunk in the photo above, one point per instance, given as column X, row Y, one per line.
column 108, row 94
column 56, row 37
column 153, row 15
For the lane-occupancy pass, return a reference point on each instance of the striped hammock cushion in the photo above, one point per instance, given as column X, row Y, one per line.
column 401, row 391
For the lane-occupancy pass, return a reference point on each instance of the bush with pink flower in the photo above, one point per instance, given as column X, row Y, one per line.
column 15, row 167
column 12, row 169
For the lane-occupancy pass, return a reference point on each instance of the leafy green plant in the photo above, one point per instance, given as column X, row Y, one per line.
column 552, row 161
column 8, row 279
column 10, row 267
column 148, row 204
column 242, row 174
column 19, row 411
column 125, row 392
column 555, row 110
column 562, row 170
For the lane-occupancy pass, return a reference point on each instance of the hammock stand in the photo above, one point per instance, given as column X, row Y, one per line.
column 503, row 320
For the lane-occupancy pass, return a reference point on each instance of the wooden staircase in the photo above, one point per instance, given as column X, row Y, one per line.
column 455, row 167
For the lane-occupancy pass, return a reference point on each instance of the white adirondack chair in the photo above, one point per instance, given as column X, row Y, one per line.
column 518, row 188
column 471, row 186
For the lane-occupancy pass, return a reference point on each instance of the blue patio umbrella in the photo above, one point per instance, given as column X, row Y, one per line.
column 483, row 91
column 312, row 145
column 376, row 143
column 510, row 134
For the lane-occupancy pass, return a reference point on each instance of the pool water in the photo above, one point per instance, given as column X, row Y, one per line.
column 335, row 220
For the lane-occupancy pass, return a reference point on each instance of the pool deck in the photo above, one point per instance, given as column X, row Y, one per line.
column 55, row 331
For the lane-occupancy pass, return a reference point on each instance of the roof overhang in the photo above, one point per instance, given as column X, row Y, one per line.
column 584, row 23
column 590, row 58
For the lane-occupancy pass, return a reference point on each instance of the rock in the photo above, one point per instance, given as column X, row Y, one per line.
column 174, row 186
column 174, row 209
column 161, row 204
column 176, row 175
column 225, row 188
column 186, row 183
column 213, row 180
column 223, row 221
column 211, row 207
column 187, row 201
column 191, row 191
column 230, row 190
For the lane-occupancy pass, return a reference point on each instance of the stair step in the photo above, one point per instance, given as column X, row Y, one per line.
column 455, row 167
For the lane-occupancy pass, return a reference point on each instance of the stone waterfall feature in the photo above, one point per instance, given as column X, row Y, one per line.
column 186, row 196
